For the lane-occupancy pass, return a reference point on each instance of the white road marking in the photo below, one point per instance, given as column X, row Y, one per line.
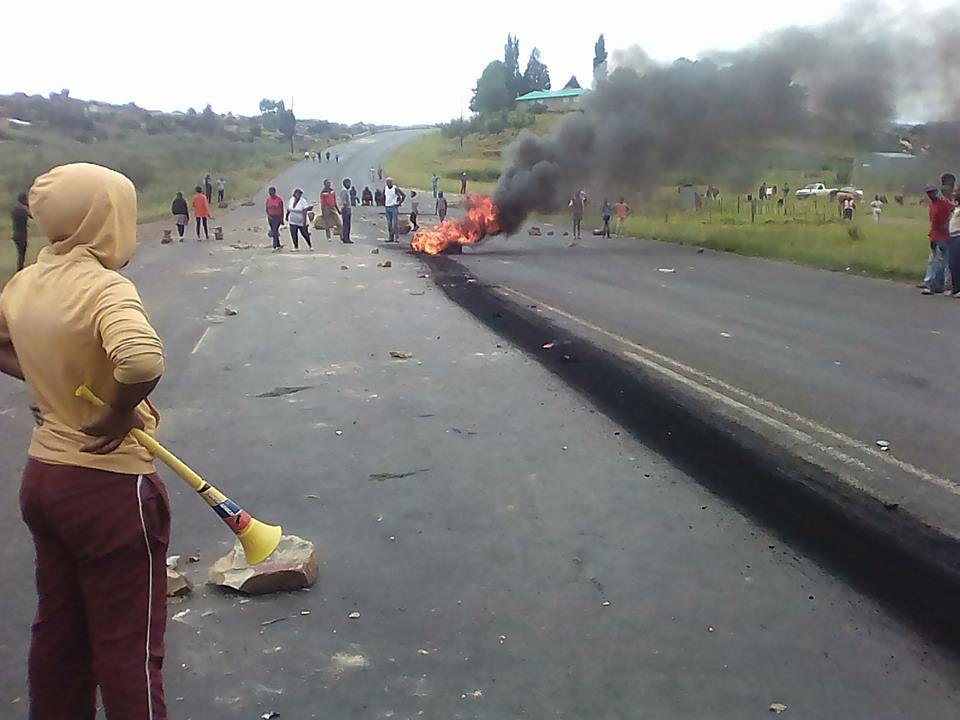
column 230, row 292
column 812, row 425
column 200, row 341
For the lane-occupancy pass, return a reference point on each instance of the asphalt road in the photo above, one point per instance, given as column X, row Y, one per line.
column 836, row 361
column 482, row 578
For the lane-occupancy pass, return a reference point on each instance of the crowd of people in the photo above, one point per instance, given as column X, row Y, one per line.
column 332, row 211
column 619, row 210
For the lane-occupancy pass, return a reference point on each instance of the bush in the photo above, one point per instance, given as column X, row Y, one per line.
column 538, row 108
column 495, row 124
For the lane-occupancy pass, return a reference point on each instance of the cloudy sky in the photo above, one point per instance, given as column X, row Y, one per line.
column 384, row 62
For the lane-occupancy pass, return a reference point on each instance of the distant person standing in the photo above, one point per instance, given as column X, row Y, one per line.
column 337, row 157
column 762, row 192
column 329, row 215
column 577, row 204
column 606, row 212
column 19, row 216
column 876, row 207
column 306, row 154
column 366, row 197
column 373, row 176
column 354, row 200
column 208, row 188
column 621, row 210
column 434, row 184
column 393, row 198
column 940, row 212
column 181, row 215
column 441, row 206
column 847, row 206
column 953, row 245
column 201, row 211
column 274, row 208
column 379, row 172
column 463, row 183
column 297, row 209
column 414, row 210
column 328, row 156
column 221, row 189
column 347, row 196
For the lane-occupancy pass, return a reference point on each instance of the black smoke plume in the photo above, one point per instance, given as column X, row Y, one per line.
column 842, row 82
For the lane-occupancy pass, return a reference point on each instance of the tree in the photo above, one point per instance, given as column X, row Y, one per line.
column 287, row 124
column 267, row 105
column 536, row 76
column 511, row 61
column 210, row 123
column 492, row 92
column 572, row 83
column 600, row 60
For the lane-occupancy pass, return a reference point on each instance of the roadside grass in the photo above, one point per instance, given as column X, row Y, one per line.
column 159, row 165
column 862, row 246
column 412, row 163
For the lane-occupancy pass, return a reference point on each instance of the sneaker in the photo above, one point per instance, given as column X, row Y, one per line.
column 348, row 242
column 295, row 250
column 955, row 294
column 921, row 286
column 926, row 291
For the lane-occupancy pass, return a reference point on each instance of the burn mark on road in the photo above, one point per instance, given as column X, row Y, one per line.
column 283, row 390
column 380, row 477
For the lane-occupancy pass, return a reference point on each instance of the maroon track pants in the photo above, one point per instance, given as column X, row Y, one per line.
column 101, row 541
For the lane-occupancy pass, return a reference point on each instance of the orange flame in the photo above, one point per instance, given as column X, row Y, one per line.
column 481, row 220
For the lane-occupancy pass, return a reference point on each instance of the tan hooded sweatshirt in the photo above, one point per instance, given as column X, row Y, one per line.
column 72, row 318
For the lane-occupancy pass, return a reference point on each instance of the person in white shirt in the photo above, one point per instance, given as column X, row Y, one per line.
column 876, row 207
column 393, row 199
column 297, row 209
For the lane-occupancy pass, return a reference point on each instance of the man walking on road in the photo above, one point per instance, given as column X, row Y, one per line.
column 621, row 210
column 274, row 208
column 201, row 211
column 221, row 189
column 393, row 198
column 441, row 206
column 577, row 203
column 97, row 511
column 181, row 215
column 346, row 210
column 940, row 212
column 19, row 217
column 947, row 187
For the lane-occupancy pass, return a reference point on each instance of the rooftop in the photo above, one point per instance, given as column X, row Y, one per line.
column 551, row 94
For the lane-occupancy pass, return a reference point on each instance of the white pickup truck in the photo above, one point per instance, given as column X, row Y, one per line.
column 814, row 190
column 819, row 189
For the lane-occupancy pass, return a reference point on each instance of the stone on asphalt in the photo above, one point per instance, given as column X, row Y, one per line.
column 229, row 311
column 177, row 584
column 534, row 230
column 375, row 251
column 292, row 566
column 385, row 264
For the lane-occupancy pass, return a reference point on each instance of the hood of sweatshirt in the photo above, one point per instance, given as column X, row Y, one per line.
column 86, row 209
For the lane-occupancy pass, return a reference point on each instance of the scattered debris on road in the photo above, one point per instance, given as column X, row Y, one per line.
column 380, row 477
column 534, row 231
column 274, row 621
column 385, row 264
column 179, row 617
column 475, row 694
column 549, row 345
column 884, row 445
column 247, row 203
column 355, row 615
column 375, row 251
column 423, row 651
column 344, row 267
column 229, row 311
column 283, row 390
column 177, row 584
column 273, row 713
column 292, row 566
column 549, row 232
column 777, row 708
column 666, row 270
column 401, row 354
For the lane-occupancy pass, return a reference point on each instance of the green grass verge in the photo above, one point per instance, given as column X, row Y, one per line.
column 159, row 165
column 888, row 250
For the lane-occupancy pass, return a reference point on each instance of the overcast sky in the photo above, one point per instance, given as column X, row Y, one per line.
column 383, row 62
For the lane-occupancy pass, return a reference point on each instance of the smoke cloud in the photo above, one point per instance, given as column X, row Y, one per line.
column 842, row 82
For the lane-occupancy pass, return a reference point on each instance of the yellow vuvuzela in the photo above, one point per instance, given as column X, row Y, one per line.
column 258, row 539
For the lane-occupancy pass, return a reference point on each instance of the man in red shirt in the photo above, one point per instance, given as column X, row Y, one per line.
column 274, row 207
column 940, row 210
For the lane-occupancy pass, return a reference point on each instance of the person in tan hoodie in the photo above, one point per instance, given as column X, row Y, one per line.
column 98, row 513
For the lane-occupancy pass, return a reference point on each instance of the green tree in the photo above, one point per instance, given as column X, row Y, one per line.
column 511, row 61
column 600, row 59
column 492, row 93
column 536, row 76
column 210, row 123
column 287, row 124
column 267, row 105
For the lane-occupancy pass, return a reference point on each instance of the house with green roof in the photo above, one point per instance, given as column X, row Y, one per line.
column 563, row 100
